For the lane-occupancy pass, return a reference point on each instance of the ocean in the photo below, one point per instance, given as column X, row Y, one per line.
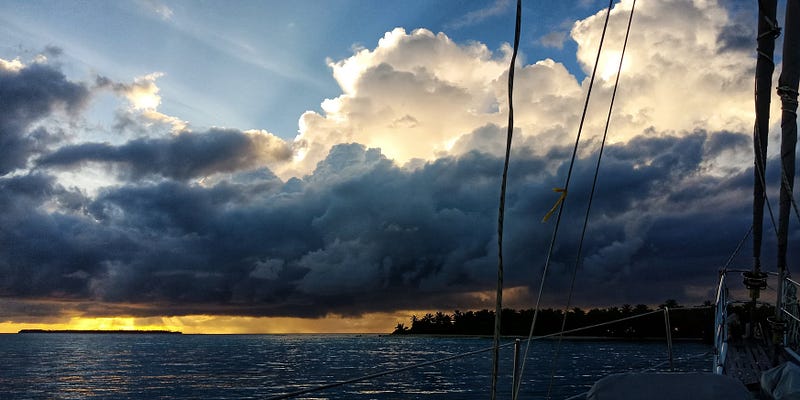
column 84, row 366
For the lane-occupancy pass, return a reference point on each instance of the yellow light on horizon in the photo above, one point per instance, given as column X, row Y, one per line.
column 226, row 324
column 95, row 323
column 112, row 323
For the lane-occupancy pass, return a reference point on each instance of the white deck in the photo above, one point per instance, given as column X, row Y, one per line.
column 668, row 386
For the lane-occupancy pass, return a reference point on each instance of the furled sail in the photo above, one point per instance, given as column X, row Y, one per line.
column 787, row 89
column 768, row 30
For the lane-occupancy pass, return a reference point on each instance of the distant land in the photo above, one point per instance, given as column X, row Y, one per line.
column 626, row 322
column 103, row 331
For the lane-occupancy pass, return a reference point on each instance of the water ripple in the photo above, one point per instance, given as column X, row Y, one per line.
column 75, row 366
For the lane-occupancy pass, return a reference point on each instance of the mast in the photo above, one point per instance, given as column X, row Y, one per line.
column 787, row 90
column 768, row 30
column 498, row 313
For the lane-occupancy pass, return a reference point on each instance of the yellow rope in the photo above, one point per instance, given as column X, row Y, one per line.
column 558, row 203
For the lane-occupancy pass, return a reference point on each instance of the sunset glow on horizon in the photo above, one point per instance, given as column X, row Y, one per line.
column 373, row 323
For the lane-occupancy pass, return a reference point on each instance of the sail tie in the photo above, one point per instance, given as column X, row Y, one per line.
column 775, row 29
column 766, row 56
column 560, row 200
column 788, row 96
column 775, row 32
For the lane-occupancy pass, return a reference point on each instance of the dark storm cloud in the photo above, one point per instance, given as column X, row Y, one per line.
column 361, row 234
column 739, row 34
column 183, row 156
column 46, row 254
column 26, row 96
column 726, row 141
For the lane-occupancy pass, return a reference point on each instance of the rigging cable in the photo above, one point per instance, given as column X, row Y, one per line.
column 564, row 200
column 736, row 251
column 501, row 210
column 724, row 270
column 589, row 205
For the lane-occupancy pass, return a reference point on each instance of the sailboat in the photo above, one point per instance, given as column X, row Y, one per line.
column 753, row 357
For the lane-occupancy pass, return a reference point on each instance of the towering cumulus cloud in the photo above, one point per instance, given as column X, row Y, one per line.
column 387, row 198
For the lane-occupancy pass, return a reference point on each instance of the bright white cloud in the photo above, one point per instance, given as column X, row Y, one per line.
column 14, row 65
column 143, row 101
column 176, row 124
column 410, row 96
column 143, row 93
column 420, row 95
column 675, row 76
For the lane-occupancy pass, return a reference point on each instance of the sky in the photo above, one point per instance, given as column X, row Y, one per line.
column 334, row 166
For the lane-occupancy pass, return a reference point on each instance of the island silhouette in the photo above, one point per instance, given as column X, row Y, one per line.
column 694, row 322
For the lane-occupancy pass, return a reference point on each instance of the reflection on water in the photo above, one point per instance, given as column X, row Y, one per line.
column 75, row 366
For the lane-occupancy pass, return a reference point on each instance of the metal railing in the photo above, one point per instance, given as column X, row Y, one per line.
column 790, row 310
column 721, row 325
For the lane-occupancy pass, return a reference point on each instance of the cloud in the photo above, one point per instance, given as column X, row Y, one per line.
column 158, row 8
column 184, row 156
column 143, row 93
column 362, row 234
column 417, row 93
column 499, row 7
column 553, row 39
column 679, row 65
column 411, row 96
column 387, row 199
column 49, row 254
column 30, row 94
column 143, row 99
column 14, row 65
column 53, row 51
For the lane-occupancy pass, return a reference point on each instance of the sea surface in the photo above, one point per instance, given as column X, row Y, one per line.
column 81, row 366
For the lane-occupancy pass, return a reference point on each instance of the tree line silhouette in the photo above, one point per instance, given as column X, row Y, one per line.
column 686, row 322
